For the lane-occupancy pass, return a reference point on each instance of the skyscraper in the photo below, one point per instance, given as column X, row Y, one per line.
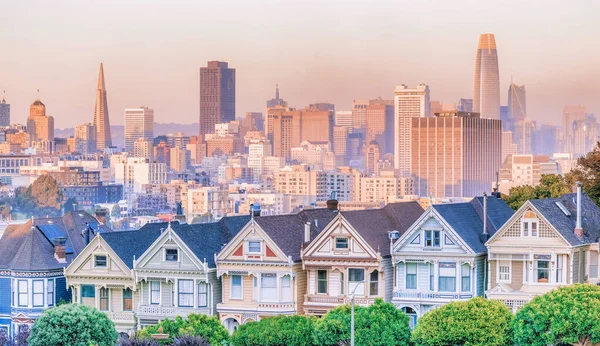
column 408, row 103
column 486, row 84
column 276, row 101
column 85, row 138
column 217, row 95
column 517, row 105
column 465, row 105
column 139, row 123
column 101, row 121
column 40, row 127
column 4, row 113
column 372, row 158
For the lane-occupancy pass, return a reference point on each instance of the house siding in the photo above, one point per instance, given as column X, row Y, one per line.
column 5, row 292
column 481, row 272
column 492, row 266
column 516, row 275
column 575, row 267
column 300, row 287
column 388, row 279
column 216, row 290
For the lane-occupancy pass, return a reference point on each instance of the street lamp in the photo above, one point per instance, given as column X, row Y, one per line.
column 352, row 313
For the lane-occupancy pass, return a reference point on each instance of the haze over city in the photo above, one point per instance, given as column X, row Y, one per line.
column 317, row 51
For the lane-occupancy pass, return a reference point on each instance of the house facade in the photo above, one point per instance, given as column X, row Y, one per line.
column 442, row 257
column 34, row 255
column 547, row 243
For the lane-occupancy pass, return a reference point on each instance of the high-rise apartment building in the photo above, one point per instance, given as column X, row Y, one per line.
column 40, row 127
column 299, row 180
column 134, row 172
column 85, row 136
column 455, row 154
column 359, row 113
column 253, row 122
column 4, row 113
column 180, row 159
column 523, row 135
column 139, row 123
column 517, row 102
column 508, row 146
column 380, row 124
column 143, row 147
column 101, row 120
column 343, row 118
column 372, row 158
column 486, row 84
column 340, row 141
column 408, row 104
column 572, row 114
column 217, row 95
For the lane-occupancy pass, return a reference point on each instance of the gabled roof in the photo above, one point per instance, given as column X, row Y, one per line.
column 25, row 248
column 565, row 224
column 374, row 224
column 466, row 219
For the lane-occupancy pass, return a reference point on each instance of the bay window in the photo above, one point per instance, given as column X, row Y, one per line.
column 356, row 278
column 411, row 276
column 88, row 295
column 447, row 278
column 542, row 270
column 286, row 288
column 202, row 294
column 127, row 300
column 465, row 277
column 236, row 287
column 154, row 292
column 374, row 283
column 268, row 287
column 185, row 293
column 50, row 292
column 23, row 293
column 38, row 293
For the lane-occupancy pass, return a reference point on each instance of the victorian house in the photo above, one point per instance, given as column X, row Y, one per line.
column 546, row 244
column 261, row 267
column 442, row 256
column 34, row 255
column 350, row 256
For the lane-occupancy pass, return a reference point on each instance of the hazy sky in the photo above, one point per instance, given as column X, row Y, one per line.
column 317, row 51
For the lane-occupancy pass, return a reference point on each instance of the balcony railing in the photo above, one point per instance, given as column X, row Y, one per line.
column 125, row 316
column 166, row 310
column 432, row 295
column 328, row 300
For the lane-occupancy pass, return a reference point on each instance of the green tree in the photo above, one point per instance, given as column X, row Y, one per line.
column 588, row 173
column 568, row 315
column 201, row 325
column 475, row 322
column 550, row 186
column 294, row 330
column 41, row 198
column 73, row 325
column 378, row 324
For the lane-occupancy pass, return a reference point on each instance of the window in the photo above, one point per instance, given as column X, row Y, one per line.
column 202, row 294
column 154, row 292
column 529, row 225
column 534, row 231
column 268, row 287
column 286, row 288
column 38, row 292
column 503, row 271
column 341, row 243
column 431, row 276
column 50, row 292
column 185, row 293
column 321, row 281
column 374, row 283
column 99, row 261
column 254, row 246
column 356, row 278
column 342, row 283
column 411, row 276
column 543, row 271
column 23, row 294
column 171, row 255
column 447, row 279
column 525, row 229
column 559, row 268
column 127, row 300
column 236, row 287
column 103, row 294
column 465, row 277
column 432, row 238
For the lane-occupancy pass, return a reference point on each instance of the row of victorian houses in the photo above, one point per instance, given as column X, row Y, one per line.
column 244, row 268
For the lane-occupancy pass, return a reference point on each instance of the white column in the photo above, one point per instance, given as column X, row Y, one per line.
column 195, row 293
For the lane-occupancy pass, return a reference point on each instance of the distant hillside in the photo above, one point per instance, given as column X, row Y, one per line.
column 118, row 131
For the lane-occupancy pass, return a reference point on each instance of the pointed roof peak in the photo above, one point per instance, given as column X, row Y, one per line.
column 101, row 85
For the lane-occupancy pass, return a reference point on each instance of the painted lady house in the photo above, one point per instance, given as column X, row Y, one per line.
column 442, row 257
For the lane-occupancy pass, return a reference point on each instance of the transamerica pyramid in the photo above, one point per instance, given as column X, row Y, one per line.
column 101, row 121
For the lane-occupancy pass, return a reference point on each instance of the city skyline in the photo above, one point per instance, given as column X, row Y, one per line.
column 323, row 70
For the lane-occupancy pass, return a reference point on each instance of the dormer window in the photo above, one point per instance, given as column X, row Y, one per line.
column 99, row 261
column 432, row 238
column 341, row 243
column 171, row 255
column 254, row 246
column 529, row 225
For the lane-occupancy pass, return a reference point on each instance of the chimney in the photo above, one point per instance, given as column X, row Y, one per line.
column 332, row 204
column 578, row 228
column 87, row 231
column 60, row 249
column 307, row 232
column 100, row 214
column 254, row 210
column 484, row 235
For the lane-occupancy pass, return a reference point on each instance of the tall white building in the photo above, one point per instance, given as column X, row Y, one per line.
column 139, row 123
column 143, row 147
column 133, row 172
column 408, row 104
column 85, row 137
column 486, row 81
column 257, row 151
column 343, row 118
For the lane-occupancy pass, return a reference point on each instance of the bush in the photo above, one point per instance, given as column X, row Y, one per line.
column 294, row 330
column 476, row 322
column 190, row 340
column 18, row 340
column 73, row 325
column 209, row 328
column 133, row 341
column 378, row 324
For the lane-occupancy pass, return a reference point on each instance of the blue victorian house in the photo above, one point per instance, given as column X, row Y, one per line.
column 33, row 256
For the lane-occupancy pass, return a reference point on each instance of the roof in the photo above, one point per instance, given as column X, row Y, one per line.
column 466, row 219
column 374, row 224
column 565, row 224
column 26, row 248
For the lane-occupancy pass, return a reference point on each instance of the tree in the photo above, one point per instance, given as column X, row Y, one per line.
column 41, row 198
column 550, row 186
column 70, row 204
column 200, row 325
column 378, row 324
column 294, row 330
column 567, row 315
column 475, row 322
column 588, row 173
column 73, row 325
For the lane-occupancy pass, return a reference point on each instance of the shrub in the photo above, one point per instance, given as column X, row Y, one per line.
column 209, row 328
column 73, row 325
column 190, row 340
column 133, row 341
column 279, row 330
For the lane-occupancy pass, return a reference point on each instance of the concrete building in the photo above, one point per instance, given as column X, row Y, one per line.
column 40, row 127
column 207, row 201
column 85, row 138
column 359, row 113
column 375, row 188
column 217, row 95
column 142, row 147
column 572, row 114
column 4, row 113
column 139, row 123
column 299, row 180
column 372, row 154
column 223, row 145
column 257, row 151
column 340, row 141
column 465, row 105
column 408, row 104
column 519, row 170
column 101, row 120
column 317, row 155
column 486, row 82
column 508, row 146
column 180, row 159
column 523, row 135
column 380, row 124
column 455, row 154
column 517, row 102
column 277, row 101
column 133, row 172
column 343, row 118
